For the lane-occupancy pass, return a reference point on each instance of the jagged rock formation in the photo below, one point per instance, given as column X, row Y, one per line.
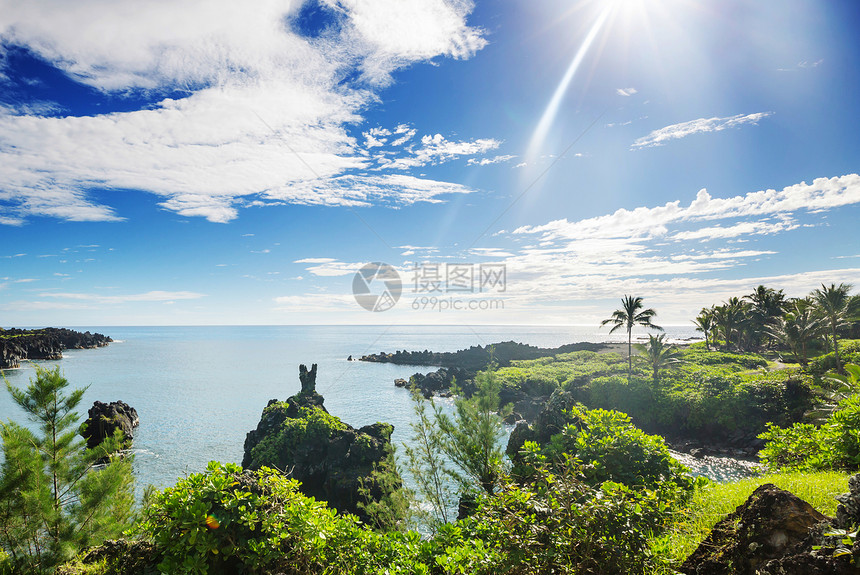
column 48, row 343
column 330, row 458
column 105, row 418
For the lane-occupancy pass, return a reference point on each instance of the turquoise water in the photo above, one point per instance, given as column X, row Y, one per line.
column 199, row 390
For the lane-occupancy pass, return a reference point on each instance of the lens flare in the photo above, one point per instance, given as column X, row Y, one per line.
column 551, row 111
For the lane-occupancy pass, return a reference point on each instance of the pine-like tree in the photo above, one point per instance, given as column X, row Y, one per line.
column 56, row 496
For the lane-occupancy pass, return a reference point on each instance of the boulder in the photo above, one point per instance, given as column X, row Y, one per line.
column 439, row 382
column 332, row 460
column 768, row 526
column 11, row 354
column 105, row 418
column 550, row 421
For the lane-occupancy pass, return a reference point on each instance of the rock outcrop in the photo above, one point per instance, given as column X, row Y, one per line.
column 478, row 357
column 776, row 533
column 550, row 421
column 105, row 418
column 767, row 526
column 47, row 343
column 331, row 459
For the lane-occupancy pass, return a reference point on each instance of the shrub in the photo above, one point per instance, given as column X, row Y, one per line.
column 834, row 445
column 608, row 448
column 57, row 496
column 743, row 360
column 228, row 520
column 849, row 352
column 554, row 523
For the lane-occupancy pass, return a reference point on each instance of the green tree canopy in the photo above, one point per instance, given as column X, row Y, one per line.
column 56, row 496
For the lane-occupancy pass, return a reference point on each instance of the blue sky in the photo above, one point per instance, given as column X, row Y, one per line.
column 207, row 162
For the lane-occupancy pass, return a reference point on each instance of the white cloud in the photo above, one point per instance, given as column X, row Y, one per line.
column 488, row 161
column 740, row 229
column 315, row 261
column 395, row 33
column 437, row 149
column 151, row 296
column 626, row 91
column 328, row 267
column 702, row 125
column 361, row 190
column 644, row 222
column 266, row 111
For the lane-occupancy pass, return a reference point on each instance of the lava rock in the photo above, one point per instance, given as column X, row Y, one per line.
column 768, row 526
column 331, row 459
column 105, row 418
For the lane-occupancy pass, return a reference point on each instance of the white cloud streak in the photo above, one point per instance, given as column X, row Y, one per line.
column 489, row 161
column 700, row 126
column 151, row 296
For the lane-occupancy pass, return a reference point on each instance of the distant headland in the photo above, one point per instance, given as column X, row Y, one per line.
column 45, row 343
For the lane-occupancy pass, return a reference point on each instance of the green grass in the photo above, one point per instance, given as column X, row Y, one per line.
column 717, row 500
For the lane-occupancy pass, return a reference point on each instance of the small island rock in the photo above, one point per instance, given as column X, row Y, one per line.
column 105, row 418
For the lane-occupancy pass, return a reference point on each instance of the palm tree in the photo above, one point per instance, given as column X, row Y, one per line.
column 797, row 328
column 658, row 355
column 833, row 303
column 705, row 323
column 768, row 305
column 728, row 316
column 628, row 316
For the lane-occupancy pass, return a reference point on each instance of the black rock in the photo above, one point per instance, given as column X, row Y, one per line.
column 105, row 418
column 330, row 458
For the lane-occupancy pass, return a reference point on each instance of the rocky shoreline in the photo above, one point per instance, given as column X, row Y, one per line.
column 46, row 343
column 478, row 357
column 460, row 367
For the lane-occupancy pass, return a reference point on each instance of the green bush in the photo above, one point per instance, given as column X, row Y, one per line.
column 610, row 448
column 742, row 360
column 230, row 521
column 849, row 352
column 543, row 376
column 553, row 524
column 834, row 445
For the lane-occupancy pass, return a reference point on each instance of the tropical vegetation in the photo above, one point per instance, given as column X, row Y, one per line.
column 631, row 314
column 595, row 493
column 57, row 496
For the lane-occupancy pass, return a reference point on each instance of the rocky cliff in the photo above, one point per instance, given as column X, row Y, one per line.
column 333, row 461
column 47, row 343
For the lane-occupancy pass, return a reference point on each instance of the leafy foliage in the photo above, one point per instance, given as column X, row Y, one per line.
column 608, row 447
column 55, row 495
column 229, row 521
column 471, row 437
column 849, row 353
column 628, row 316
column 555, row 523
column 833, row 445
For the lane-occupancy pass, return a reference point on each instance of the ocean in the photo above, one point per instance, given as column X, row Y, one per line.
column 199, row 390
